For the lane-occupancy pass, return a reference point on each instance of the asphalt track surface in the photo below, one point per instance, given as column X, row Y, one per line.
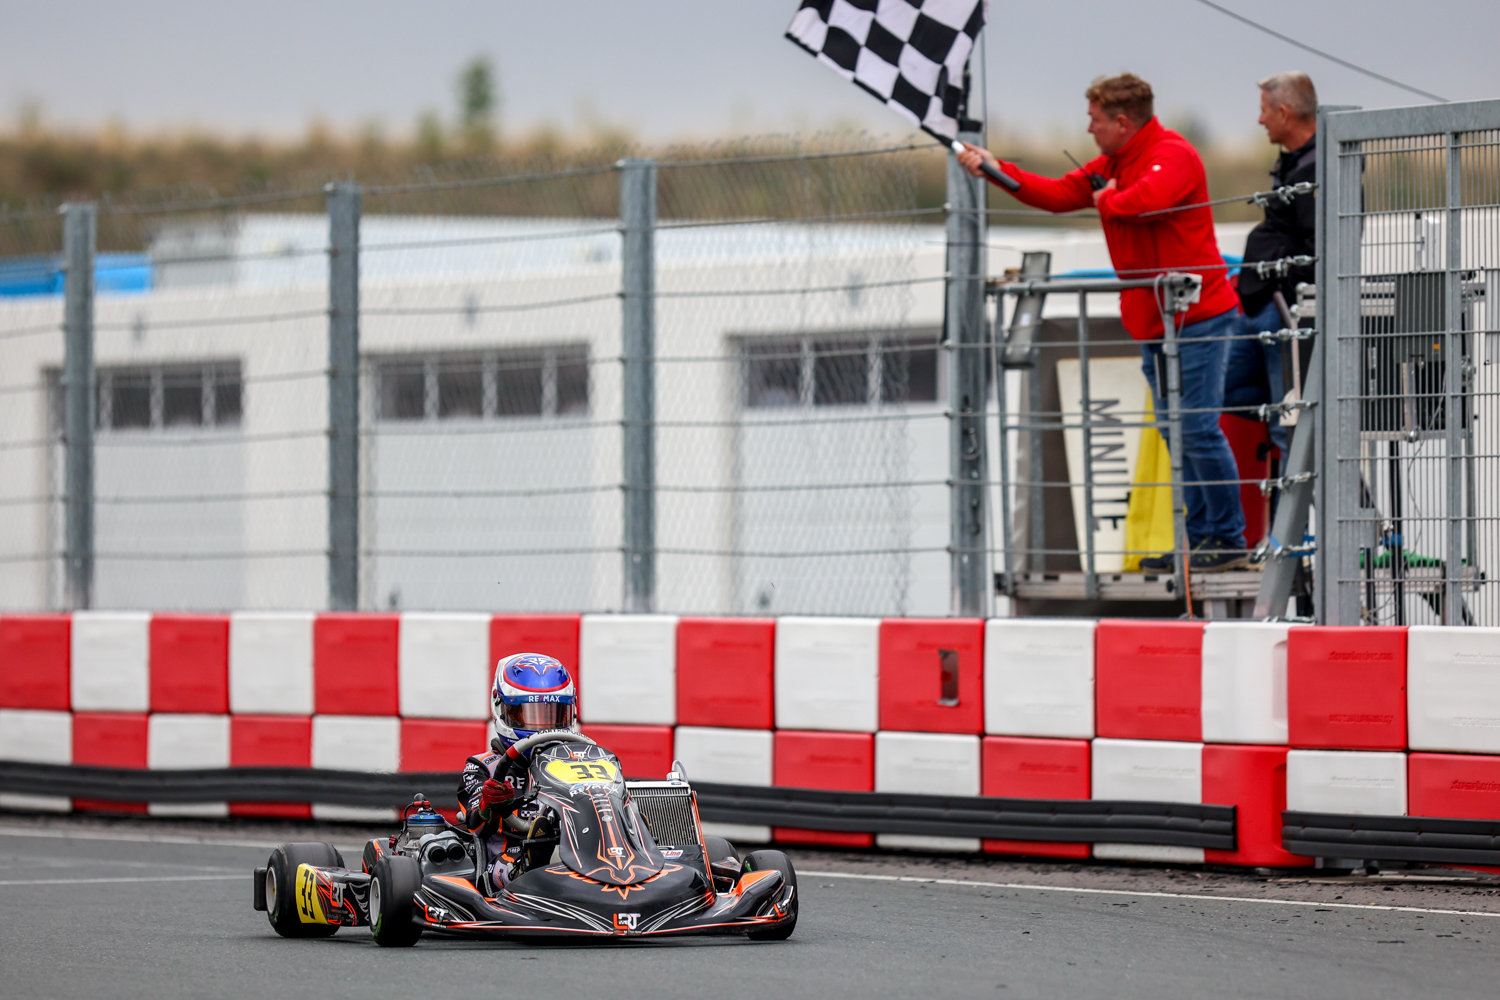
column 151, row 909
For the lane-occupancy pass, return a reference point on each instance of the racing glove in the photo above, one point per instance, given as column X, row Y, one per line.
column 494, row 793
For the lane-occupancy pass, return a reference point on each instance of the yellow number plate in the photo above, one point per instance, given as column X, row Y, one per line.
column 309, row 907
column 578, row 772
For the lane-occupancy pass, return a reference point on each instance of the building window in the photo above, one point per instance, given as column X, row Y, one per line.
column 863, row 370
column 158, row 397
column 547, row 382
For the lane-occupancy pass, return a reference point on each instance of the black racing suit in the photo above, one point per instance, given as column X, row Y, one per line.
column 488, row 823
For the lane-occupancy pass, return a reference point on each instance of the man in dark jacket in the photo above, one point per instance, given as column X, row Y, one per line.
column 1288, row 112
column 1151, row 175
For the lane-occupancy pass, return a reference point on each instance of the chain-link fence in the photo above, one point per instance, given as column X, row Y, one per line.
column 31, row 342
column 749, row 382
column 795, row 432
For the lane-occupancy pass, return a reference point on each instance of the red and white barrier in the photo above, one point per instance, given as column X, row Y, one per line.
column 927, row 764
column 111, row 739
column 444, row 666
column 630, row 666
column 731, row 757
column 35, row 651
column 1022, row 768
column 644, row 751
column 931, row 675
column 1346, row 688
column 1453, row 689
column 189, row 664
column 840, row 762
column 356, row 743
column 827, row 673
column 1463, row 786
column 37, row 737
column 1028, row 708
column 1152, row 770
column 1148, row 680
column 1253, row 780
column 1349, row 782
column 272, row 741
column 356, row 661
column 726, row 672
column 1244, row 683
column 271, row 663
column 187, row 742
column 111, row 661
column 1039, row 677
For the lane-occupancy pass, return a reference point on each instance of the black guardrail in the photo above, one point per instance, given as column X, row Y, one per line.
column 1392, row 838
column 226, row 784
column 1055, row 820
column 1052, row 820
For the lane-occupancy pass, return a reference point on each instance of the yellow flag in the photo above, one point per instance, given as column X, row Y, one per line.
column 1148, row 518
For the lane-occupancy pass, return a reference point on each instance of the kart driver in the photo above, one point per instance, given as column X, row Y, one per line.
column 532, row 693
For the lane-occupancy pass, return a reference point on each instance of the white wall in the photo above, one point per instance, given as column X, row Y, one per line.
column 270, row 316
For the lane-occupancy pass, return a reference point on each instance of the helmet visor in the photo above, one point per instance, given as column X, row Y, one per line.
column 537, row 715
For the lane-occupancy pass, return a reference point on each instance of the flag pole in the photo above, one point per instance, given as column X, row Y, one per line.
column 993, row 173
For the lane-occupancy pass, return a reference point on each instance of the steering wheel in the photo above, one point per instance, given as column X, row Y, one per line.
column 518, row 756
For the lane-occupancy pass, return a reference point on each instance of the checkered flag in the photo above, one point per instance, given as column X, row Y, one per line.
column 908, row 53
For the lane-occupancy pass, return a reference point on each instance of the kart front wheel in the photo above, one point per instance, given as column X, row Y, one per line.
column 786, row 899
column 393, row 881
column 281, row 887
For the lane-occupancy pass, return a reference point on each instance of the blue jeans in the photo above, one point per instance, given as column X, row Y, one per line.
column 1212, row 511
column 1254, row 375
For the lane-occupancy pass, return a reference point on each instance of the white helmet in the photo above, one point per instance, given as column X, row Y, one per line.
column 532, row 693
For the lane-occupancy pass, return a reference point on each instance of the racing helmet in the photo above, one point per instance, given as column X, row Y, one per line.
column 532, row 693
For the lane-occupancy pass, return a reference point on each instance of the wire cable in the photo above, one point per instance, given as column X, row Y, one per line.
column 1321, row 54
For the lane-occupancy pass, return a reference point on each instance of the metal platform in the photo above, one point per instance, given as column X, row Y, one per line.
column 1225, row 595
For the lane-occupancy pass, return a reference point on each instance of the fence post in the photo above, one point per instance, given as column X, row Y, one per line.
column 1182, row 571
column 343, row 396
column 638, row 370
column 79, row 229
column 1339, row 338
column 964, row 335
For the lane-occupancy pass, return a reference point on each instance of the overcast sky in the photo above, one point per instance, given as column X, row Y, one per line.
column 676, row 68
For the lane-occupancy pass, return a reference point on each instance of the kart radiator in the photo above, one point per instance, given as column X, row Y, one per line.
column 668, row 811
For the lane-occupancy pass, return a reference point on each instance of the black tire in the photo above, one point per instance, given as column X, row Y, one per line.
column 719, row 848
column 761, row 861
column 393, row 880
column 723, row 863
column 281, row 887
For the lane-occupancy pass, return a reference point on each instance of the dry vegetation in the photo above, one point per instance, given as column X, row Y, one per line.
column 42, row 167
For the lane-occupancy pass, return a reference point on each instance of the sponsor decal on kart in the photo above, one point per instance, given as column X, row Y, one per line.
column 671, row 854
column 578, row 773
column 626, row 921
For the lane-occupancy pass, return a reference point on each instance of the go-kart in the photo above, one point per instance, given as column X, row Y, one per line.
column 597, row 856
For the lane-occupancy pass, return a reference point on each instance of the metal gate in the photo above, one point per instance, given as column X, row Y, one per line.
column 1409, row 499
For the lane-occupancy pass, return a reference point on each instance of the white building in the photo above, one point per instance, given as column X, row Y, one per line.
column 491, row 402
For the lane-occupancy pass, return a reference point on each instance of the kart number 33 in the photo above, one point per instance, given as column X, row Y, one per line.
column 581, row 772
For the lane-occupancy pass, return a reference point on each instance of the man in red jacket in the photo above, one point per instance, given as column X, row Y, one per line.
column 1147, row 168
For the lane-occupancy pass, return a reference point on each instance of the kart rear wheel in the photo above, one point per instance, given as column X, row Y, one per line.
column 775, row 860
column 281, row 887
column 393, row 880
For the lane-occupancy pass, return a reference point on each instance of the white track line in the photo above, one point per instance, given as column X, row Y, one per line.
column 1153, row 895
column 150, row 838
column 143, row 878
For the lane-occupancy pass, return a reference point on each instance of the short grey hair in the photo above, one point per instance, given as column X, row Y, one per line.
column 1293, row 89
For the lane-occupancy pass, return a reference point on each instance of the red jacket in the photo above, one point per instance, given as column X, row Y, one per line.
column 1157, row 169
